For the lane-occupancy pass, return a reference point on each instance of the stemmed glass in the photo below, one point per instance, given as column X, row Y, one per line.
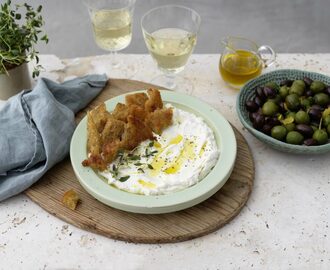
column 112, row 27
column 170, row 33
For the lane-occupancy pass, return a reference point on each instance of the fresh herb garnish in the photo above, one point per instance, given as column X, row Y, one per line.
column 124, row 178
column 138, row 164
column 20, row 30
column 135, row 157
column 148, row 153
column 124, row 159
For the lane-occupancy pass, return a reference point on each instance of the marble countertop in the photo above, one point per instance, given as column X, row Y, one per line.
column 285, row 224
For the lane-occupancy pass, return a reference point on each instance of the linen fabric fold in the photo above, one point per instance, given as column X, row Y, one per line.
column 36, row 128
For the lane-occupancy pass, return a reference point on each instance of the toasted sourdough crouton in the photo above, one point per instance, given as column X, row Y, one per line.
column 138, row 99
column 120, row 112
column 135, row 133
column 112, row 131
column 110, row 150
column 154, row 102
column 100, row 116
column 125, row 128
column 159, row 119
column 93, row 138
column 70, row 199
column 96, row 162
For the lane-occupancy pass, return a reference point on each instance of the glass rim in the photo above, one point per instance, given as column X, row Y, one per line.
column 169, row 6
column 131, row 3
column 227, row 38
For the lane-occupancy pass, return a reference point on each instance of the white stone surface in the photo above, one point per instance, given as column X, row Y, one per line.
column 285, row 224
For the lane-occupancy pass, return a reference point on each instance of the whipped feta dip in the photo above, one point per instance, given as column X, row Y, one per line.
column 180, row 157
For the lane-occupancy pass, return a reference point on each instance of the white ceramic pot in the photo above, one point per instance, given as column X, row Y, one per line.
column 17, row 80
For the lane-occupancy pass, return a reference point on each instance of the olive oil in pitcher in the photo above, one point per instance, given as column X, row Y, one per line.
column 240, row 66
column 242, row 60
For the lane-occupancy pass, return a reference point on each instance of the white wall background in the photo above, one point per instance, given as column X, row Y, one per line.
column 286, row 25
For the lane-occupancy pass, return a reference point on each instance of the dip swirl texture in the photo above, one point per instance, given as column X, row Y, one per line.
column 180, row 157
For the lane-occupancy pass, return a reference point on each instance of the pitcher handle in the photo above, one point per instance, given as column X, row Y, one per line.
column 267, row 54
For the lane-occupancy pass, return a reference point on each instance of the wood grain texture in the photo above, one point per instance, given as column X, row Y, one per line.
column 183, row 225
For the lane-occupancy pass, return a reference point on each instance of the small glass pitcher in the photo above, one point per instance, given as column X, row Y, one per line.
column 242, row 60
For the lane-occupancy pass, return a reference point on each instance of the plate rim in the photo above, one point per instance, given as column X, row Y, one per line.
column 151, row 204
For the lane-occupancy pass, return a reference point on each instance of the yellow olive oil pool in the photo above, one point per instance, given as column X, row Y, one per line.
column 240, row 66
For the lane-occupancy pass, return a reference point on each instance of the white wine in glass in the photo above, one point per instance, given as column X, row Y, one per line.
column 171, row 48
column 170, row 33
column 112, row 27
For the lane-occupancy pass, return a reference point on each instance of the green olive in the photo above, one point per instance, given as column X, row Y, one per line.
column 320, row 136
column 277, row 99
column 270, row 108
column 321, row 99
column 317, row 87
column 301, row 117
column 298, row 87
column 326, row 120
column 273, row 85
column 290, row 127
column 311, row 100
column 299, row 83
column 305, row 103
column 284, row 91
column 294, row 137
column 278, row 132
column 292, row 102
column 290, row 114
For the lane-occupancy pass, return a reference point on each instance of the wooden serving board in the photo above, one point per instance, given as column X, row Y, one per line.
column 183, row 225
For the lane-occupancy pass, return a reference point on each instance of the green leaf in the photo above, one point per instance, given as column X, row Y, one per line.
column 123, row 178
column 135, row 157
column 138, row 164
column 150, row 167
column 20, row 31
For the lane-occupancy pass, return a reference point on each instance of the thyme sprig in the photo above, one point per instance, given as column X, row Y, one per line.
column 125, row 159
column 20, row 31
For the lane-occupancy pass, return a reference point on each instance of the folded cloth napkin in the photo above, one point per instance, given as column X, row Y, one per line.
column 36, row 128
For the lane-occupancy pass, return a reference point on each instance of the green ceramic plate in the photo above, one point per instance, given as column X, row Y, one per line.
column 116, row 198
column 248, row 92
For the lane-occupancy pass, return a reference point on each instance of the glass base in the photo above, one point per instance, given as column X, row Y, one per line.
column 175, row 83
column 114, row 68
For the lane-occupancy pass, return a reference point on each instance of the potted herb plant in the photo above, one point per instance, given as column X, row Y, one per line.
column 20, row 31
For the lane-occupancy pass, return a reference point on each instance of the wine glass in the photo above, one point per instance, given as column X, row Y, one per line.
column 112, row 27
column 170, row 33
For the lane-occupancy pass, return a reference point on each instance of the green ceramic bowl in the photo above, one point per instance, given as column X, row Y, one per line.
column 163, row 203
column 247, row 92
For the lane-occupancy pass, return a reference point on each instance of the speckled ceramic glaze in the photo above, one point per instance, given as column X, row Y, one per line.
column 175, row 201
column 248, row 92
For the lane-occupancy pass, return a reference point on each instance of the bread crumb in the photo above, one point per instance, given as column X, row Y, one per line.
column 70, row 199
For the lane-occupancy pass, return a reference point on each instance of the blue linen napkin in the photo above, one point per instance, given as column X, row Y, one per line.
column 36, row 128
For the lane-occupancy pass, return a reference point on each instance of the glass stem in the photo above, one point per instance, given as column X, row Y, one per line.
column 114, row 59
column 170, row 81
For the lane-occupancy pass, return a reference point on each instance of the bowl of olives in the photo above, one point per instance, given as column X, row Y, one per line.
column 289, row 110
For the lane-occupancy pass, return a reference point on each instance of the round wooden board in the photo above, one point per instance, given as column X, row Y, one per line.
column 183, row 225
